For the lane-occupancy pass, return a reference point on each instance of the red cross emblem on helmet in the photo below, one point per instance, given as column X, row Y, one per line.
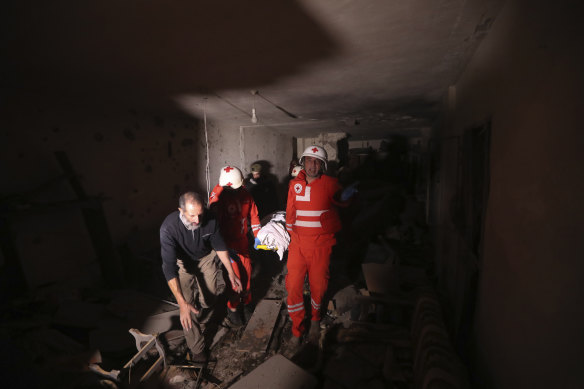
column 231, row 176
column 315, row 151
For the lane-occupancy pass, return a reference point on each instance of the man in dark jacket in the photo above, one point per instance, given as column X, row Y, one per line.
column 262, row 189
column 190, row 245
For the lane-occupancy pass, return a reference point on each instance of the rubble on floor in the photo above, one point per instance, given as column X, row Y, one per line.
column 384, row 330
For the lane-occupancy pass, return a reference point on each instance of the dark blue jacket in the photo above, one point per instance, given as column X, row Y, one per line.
column 176, row 242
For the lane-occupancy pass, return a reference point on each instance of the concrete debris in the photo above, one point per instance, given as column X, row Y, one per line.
column 344, row 299
column 344, row 320
column 364, row 343
column 277, row 372
column 260, row 327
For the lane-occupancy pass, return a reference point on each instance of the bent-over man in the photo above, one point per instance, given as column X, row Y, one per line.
column 190, row 243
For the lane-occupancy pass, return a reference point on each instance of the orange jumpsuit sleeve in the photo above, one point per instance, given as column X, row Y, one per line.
column 214, row 196
column 290, row 208
column 255, row 219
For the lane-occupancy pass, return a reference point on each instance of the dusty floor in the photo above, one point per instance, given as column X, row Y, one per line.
column 335, row 362
column 48, row 340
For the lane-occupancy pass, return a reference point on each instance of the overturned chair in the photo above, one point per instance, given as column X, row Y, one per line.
column 146, row 345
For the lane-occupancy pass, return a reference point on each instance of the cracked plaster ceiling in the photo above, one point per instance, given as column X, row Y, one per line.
column 368, row 68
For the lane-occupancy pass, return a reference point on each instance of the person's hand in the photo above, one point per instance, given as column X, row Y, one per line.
column 185, row 315
column 256, row 242
column 235, row 282
column 349, row 192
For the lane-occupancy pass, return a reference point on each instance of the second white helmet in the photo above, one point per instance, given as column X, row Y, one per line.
column 231, row 176
column 316, row 152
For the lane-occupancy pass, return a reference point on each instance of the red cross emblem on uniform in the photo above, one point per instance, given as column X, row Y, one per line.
column 229, row 184
column 314, row 150
column 228, row 169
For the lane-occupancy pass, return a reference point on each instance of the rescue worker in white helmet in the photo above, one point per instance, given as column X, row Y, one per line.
column 235, row 207
column 312, row 221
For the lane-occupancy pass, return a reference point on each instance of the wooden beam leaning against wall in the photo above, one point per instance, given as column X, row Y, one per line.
column 97, row 227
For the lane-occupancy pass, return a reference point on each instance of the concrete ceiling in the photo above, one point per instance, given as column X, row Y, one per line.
column 370, row 68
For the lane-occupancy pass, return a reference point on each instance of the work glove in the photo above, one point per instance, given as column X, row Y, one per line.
column 349, row 192
column 256, row 242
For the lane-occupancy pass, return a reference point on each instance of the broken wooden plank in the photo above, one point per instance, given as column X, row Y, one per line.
column 277, row 372
column 259, row 329
column 97, row 226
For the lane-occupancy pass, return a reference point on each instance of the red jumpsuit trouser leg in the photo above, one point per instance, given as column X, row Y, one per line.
column 241, row 264
column 303, row 259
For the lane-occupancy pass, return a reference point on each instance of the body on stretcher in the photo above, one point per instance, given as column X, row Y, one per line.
column 273, row 235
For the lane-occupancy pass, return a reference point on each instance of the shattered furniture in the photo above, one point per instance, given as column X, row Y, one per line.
column 146, row 344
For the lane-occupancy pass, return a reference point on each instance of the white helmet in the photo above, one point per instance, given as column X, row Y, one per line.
column 231, row 176
column 316, row 152
column 295, row 170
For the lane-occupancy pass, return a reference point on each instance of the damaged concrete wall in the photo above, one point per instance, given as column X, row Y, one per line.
column 261, row 143
column 527, row 78
column 137, row 161
column 274, row 151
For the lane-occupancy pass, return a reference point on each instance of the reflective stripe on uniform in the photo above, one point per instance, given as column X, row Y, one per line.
column 310, row 213
column 306, row 196
column 296, row 307
column 302, row 223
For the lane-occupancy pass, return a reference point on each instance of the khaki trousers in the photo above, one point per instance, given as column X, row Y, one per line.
column 200, row 282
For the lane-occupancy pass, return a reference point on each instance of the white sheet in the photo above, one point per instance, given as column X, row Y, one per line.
column 274, row 233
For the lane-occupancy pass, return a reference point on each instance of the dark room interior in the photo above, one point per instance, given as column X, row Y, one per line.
column 459, row 263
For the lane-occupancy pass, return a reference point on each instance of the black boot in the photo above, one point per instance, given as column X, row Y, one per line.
column 201, row 357
column 234, row 318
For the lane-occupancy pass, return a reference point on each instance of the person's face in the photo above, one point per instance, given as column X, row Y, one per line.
column 193, row 213
column 255, row 175
column 312, row 166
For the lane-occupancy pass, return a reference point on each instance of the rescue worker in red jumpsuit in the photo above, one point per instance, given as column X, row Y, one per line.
column 234, row 207
column 312, row 221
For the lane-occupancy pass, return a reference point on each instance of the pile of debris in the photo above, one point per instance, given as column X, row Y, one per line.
column 384, row 331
